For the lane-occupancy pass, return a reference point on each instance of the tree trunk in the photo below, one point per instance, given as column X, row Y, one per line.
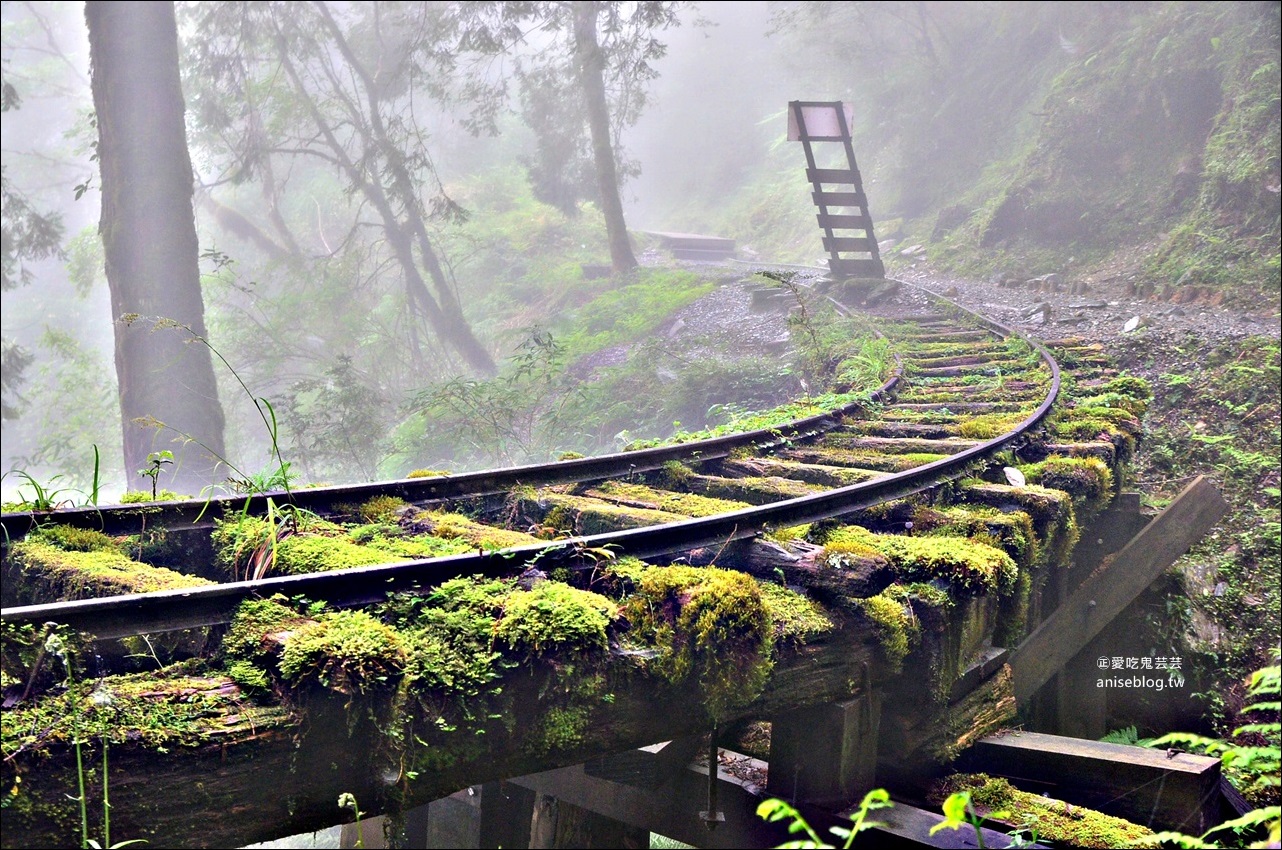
column 149, row 235
column 591, row 64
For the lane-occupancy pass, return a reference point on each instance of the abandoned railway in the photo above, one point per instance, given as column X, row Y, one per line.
column 866, row 596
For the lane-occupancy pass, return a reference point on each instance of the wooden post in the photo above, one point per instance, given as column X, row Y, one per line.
column 559, row 824
column 826, row 754
column 1113, row 586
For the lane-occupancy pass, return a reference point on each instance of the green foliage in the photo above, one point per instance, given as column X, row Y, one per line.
column 774, row 810
column 971, row 798
column 1252, row 758
column 897, row 628
column 346, row 651
column 713, row 628
column 554, row 616
column 968, row 565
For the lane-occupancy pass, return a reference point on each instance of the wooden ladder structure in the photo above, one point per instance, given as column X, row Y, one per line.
column 843, row 207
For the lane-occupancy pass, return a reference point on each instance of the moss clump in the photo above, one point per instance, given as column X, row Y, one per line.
column 896, row 626
column 249, row 676
column 450, row 634
column 346, row 651
column 989, row 425
column 1130, row 386
column 966, row 564
column 74, row 539
column 132, row 497
column 393, row 540
column 245, row 542
column 428, row 473
column 797, row 620
column 299, row 554
column 459, row 527
column 380, row 509
column 1054, row 520
column 686, row 504
column 179, row 706
column 1087, row 479
column 49, row 573
column 554, row 616
column 1055, row 820
column 585, row 516
column 560, row 728
column 714, row 627
column 1011, row 531
column 254, row 620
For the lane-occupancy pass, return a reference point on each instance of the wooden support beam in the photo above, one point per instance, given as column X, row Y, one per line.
column 908, row 826
column 826, row 753
column 1156, row 788
column 1114, row 585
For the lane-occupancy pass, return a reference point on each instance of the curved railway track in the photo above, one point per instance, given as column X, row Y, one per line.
column 961, row 375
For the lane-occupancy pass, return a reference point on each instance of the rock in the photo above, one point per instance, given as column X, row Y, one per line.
column 913, row 251
column 886, row 244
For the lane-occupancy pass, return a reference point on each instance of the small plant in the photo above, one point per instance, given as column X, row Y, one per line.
column 156, row 461
column 347, row 800
column 959, row 812
column 57, row 646
column 774, row 810
column 45, row 497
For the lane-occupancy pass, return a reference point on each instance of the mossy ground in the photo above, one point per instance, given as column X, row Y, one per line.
column 1052, row 820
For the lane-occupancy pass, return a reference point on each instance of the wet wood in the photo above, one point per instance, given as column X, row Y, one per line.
column 284, row 778
column 1115, row 584
column 1163, row 789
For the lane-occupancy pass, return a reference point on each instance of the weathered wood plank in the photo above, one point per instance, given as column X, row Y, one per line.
column 1114, row 585
column 285, row 779
column 1161, row 789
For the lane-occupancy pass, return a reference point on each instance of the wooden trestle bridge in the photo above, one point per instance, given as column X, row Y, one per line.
column 872, row 596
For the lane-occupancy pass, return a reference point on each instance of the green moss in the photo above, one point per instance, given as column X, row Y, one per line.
column 253, row 621
column 136, row 496
column 686, row 504
column 300, row 554
column 74, row 539
column 796, row 619
column 457, row 527
column 560, row 728
column 428, row 473
column 585, row 516
column 989, row 425
column 249, row 676
column 178, row 706
column 1053, row 820
column 381, row 509
column 49, row 573
column 346, row 651
column 1010, row 531
column 554, row 616
column 1054, row 520
column 714, row 628
column 1128, row 385
column 897, row 629
column 1088, row 480
column 966, row 564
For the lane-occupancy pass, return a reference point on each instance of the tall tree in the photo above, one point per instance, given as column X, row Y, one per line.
column 590, row 62
column 149, row 237
column 587, row 74
column 338, row 85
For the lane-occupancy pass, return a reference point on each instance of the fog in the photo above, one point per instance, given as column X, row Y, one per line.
column 407, row 194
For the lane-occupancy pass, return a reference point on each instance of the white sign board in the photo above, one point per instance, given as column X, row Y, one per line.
column 821, row 121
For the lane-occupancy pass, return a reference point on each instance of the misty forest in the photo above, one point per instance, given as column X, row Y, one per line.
column 256, row 249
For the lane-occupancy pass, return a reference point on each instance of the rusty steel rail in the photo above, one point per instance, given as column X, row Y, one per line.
column 170, row 610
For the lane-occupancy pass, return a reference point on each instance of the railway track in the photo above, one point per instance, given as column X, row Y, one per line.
column 967, row 390
column 856, row 526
